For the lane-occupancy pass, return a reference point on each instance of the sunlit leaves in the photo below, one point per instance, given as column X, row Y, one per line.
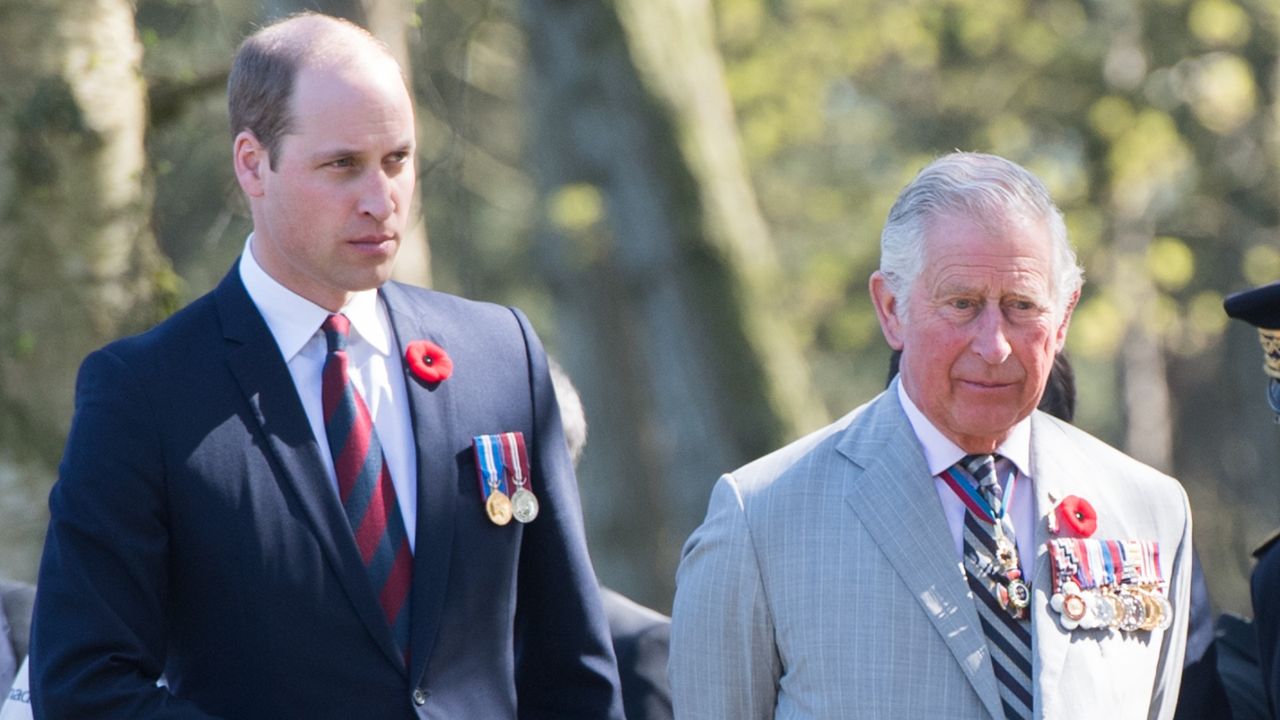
column 1218, row 23
column 1149, row 163
column 1170, row 263
column 1133, row 113
column 1205, row 315
column 1111, row 116
column 575, row 207
column 1222, row 92
column 1097, row 327
column 1261, row 264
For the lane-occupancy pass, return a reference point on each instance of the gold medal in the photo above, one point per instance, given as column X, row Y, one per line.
column 524, row 506
column 1074, row 607
column 1151, row 619
column 498, row 507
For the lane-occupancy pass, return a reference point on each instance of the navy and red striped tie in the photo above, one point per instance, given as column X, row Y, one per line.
column 364, row 485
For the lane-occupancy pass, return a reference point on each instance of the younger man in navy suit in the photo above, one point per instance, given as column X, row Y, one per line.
column 315, row 493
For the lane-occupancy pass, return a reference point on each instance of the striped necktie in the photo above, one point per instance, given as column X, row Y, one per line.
column 364, row 485
column 1008, row 639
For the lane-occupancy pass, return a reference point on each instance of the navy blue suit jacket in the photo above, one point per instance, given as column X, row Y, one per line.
column 194, row 534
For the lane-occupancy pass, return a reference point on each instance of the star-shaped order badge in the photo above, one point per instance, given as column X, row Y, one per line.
column 428, row 361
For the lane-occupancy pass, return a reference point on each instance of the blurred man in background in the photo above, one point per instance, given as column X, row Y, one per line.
column 641, row 636
column 1260, row 307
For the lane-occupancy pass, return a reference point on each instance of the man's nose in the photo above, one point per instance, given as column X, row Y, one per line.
column 377, row 196
column 991, row 341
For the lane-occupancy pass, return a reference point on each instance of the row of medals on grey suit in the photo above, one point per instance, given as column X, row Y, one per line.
column 1108, row 585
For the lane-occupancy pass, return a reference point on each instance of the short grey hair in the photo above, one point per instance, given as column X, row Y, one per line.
column 986, row 189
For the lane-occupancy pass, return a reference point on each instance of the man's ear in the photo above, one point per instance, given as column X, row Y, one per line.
column 1061, row 335
column 888, row 310
column 251, row 163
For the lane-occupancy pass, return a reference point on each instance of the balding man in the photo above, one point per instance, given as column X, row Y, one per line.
column 314, row 493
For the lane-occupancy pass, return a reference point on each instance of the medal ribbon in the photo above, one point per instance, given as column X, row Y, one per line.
column 517, row 458
column 964, row 489
column 491, row 472
column 1100, row 563
column 1120, row 560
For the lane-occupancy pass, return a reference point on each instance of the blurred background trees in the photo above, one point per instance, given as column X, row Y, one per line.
column 686, row 197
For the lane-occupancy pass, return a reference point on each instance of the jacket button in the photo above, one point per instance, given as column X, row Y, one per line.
column 419, row 697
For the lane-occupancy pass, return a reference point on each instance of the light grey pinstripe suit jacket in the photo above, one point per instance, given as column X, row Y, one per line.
column 824, row 583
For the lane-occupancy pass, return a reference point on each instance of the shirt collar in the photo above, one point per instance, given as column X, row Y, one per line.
column 941, row 453
column 293, row 320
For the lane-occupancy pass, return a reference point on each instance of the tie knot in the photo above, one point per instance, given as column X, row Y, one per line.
column 983, row 470
column 336, row 327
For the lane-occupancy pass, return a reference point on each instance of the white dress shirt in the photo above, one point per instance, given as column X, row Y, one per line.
column 373, row 366
column 941, row 453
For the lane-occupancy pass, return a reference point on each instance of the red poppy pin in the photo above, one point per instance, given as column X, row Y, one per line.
column 1078, row 516
column 428, row 361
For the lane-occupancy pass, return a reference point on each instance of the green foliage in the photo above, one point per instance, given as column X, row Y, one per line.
column 1125, row 109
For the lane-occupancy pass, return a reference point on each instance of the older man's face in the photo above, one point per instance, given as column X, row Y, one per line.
column 981, row 328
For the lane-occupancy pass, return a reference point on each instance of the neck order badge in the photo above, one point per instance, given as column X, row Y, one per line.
column 973, row 480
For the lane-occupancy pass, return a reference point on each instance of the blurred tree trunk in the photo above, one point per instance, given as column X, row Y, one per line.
column 661, row 271
column 1135, row 202
column 78, row 263
column 1148, row 413
column 388, row 20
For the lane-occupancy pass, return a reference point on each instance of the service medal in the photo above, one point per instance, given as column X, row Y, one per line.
column 1104, row 611
column 524, row 506
column 1134, row 612
column 498, row 508
column 1074, row 607
column 524, row 503
column 491, row 472
column 1152, row 610
column 1166, row 611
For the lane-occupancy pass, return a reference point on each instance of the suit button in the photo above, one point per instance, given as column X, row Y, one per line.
column 419, row 697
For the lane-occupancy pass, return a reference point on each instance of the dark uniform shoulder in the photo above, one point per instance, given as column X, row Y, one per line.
column 1267, row 544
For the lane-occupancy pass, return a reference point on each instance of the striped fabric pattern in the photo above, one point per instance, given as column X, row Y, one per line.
column 1008, row 639
column 364, row 485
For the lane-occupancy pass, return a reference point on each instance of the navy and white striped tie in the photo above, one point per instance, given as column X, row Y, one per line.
column 1008, row 638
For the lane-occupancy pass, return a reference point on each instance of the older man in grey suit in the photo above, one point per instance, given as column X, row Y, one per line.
column 944, row 551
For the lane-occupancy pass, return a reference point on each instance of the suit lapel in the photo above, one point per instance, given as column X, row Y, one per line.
column 895, row 500
column 1057, row 472
column 432, row 412
column 264, row 379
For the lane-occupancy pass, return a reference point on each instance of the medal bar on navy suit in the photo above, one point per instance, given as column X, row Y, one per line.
column 195, row 535
column 824, row 583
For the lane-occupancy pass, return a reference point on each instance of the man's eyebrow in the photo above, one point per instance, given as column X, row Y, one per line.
column 321, row 156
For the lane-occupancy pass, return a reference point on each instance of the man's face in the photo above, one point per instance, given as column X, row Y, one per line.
column 981, row 328
column 328, row 219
